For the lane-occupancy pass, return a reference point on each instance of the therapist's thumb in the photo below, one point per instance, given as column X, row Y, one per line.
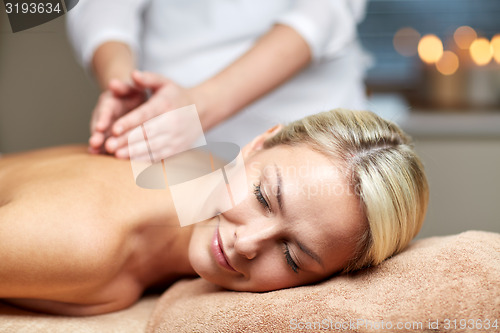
column 149, row 80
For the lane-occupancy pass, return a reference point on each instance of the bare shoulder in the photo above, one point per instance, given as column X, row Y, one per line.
column 52, row 258
column 58, row 244
column 67, row 220
column 78, row 271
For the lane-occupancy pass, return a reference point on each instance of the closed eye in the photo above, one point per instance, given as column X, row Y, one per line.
column 260, row 198
column 289, row 259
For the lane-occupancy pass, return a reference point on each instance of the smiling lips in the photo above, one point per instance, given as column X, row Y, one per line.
column 218, row 251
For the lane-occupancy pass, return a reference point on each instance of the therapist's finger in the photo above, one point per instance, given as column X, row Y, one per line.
column 137, row 153
column 141, row 152
column 97, row 140
column 108, row 109
column 121, row 88
column 95, row 151
column 96, row 145
column 163, row 146
column 114, row 143
column 149, row 80
column 123, row 153
column 138, row 116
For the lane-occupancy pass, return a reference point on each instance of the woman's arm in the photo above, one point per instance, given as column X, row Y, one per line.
column 112, row 60
column 94, row 22
column 105, row 37
column 311, row 30
column 112, row 64
column 274, row 59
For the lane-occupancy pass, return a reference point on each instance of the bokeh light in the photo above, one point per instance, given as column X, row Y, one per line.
column 481, row 51
column 495, row 44
column 448, row 64
column 430, row 48
column 464, row 36
column 405, row 41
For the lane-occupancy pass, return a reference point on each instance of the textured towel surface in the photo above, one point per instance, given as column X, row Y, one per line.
column 131, row 320
column 431, row 286
column 453, row 277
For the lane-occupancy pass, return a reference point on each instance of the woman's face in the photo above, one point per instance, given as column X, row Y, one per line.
column 298, row 224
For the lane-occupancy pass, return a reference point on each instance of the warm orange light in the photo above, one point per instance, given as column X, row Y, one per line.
column 448, row 64
column 405, row 41
column 430, row 49
column 464, row 36
column 481, row 51
column 495, row 44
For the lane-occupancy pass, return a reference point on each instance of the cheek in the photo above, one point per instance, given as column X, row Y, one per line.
column 271, row 273
column 199, row 248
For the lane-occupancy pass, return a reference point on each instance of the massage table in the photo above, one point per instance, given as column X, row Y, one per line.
column 438, row 284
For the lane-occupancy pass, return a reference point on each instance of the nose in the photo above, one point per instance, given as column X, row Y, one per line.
column 253, row 237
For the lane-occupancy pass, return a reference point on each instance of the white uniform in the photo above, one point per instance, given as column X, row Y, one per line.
column 189, row 41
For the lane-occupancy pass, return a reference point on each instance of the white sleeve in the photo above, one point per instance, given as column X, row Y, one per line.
column 326, row 25
column 93, row 22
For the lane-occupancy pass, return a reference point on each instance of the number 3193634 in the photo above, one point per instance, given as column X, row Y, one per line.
column 33, row 8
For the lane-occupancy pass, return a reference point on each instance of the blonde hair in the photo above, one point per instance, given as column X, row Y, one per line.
column 383, row 169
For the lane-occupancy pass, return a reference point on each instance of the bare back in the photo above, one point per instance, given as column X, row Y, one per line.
column 76, row 231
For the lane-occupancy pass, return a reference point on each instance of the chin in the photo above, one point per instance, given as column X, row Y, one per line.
column 204, row 265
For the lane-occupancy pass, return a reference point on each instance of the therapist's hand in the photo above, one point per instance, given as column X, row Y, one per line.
column 113, row 103
column 164, row 139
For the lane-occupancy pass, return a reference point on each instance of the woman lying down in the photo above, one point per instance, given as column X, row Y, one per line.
column 78, row 237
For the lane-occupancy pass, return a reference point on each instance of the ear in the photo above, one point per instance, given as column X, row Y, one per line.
column 258, row 143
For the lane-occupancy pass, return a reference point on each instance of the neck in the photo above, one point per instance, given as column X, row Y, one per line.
column 163, row 256
column 179, row 252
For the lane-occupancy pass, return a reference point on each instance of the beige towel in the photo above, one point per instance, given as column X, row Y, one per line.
column 433, row 286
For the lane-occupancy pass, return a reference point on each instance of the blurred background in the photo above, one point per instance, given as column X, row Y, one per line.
column 437, row 54
column 434, row 70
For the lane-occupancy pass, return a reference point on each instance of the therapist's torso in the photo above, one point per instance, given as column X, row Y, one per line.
column 189, row 41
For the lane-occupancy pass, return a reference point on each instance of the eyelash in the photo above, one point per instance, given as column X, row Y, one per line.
column 289, row 259
column 260, row 197
column 263, row 202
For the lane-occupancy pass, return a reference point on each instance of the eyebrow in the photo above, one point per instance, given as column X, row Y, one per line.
column 279, row 198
